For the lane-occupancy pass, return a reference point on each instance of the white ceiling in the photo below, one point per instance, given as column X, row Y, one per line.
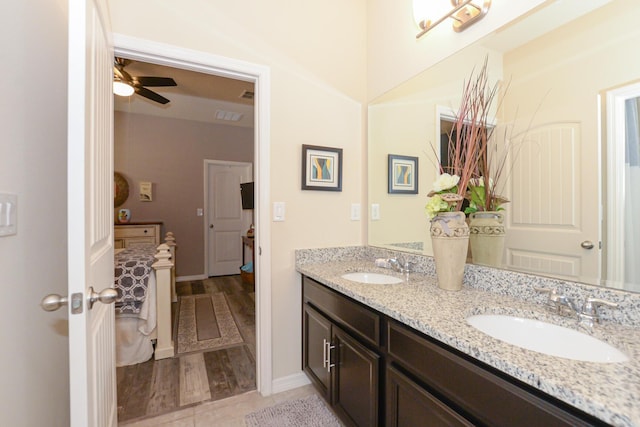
column 197, row 96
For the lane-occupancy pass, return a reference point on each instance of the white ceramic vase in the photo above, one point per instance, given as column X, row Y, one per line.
column 450, row 239
column 486, row 237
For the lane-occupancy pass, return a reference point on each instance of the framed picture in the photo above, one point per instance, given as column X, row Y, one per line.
column 321, row 168
column 146, row 193
column 403, row 174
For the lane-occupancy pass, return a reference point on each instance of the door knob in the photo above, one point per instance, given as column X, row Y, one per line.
column 210, row 225
column 105, row 296
column 587, row 244
column 52, row 302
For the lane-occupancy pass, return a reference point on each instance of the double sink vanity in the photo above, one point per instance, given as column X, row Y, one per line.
column 388, row 348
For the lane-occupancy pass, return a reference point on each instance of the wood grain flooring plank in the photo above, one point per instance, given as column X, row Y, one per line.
column 165, row 387
column 135, row 396
column 243, row 366
column 194, row 384
column 218, row 383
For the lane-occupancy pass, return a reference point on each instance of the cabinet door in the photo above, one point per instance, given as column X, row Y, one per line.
column 410, row 405
column 316, row 335
column 355, row 388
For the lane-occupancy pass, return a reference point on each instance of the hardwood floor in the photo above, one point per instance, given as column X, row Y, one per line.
column 159, row 387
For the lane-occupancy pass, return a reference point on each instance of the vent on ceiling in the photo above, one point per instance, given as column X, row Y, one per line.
column 247, row 94
column 229, row 116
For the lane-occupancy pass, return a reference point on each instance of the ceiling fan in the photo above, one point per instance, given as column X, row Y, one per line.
column 138, row 84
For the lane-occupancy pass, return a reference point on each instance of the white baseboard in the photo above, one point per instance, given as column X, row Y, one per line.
column 189, row 278
column 290, row 382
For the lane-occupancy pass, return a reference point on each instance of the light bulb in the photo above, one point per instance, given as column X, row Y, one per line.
column 122, row 89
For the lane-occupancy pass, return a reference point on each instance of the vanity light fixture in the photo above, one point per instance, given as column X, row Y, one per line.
column 464, row 14
column 122, row 89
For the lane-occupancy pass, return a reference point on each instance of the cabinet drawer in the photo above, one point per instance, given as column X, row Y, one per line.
column 348, row 314
column 124, row 232
column 488, row 398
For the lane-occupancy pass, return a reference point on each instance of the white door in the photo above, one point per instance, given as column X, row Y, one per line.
column 552, row 228
column 227, row 221
column 90, row 210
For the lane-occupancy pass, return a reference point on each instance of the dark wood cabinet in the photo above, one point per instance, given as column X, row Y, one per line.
column 334, row 358
column 409, row 405
column 374, row 370
column 316, row 335
column 356, row 382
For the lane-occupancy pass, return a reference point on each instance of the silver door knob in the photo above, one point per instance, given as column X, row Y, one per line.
column 53, row 302
column 106, row 296
column 587, row 244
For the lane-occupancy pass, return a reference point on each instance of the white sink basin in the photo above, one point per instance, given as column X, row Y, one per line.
column 546, row 338
column 373, row 278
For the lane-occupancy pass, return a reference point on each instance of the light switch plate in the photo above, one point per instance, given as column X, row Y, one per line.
column 278, row 211
column 375, row 211
column 8, row 214
column 355, row 211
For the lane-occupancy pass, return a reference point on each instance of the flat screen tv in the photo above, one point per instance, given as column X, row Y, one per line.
column 246, row 192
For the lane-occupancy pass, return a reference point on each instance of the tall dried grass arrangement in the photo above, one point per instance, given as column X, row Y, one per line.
column 469, row 138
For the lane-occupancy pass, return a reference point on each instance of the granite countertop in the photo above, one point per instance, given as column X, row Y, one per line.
column 608, row 391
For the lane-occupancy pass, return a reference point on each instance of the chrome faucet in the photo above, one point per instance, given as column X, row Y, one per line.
column 400, row 265
column 587, row 314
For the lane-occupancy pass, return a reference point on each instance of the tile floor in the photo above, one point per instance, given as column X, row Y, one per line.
column 228, row 412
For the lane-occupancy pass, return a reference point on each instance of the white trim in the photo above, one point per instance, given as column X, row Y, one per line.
column 290, row 382
column 159, row 53
column 615, row 149
column 205, row 216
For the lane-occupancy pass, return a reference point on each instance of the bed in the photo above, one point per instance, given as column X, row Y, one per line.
column 145, row 281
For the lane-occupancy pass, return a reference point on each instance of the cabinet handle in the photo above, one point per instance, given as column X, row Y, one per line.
column 327, row 358
column 324, row 352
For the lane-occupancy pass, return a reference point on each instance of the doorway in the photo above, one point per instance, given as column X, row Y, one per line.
column 227, row 222
column 172, row 56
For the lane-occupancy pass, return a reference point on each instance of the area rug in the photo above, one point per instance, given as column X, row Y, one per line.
column 205, row 323
column 307, row 412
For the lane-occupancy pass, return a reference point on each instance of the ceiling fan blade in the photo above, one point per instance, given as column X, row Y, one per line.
column 149, row 94
column 156, row 81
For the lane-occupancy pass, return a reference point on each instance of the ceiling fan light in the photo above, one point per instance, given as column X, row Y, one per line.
column 122, row 89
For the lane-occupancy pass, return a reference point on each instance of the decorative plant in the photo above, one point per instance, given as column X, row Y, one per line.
column 482, row 196
column 444, row 197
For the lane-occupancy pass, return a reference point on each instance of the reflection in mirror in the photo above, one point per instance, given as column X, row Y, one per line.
column 555, row 107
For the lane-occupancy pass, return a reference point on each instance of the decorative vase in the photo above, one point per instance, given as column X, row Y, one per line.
column 486, row 236
column 450, row 238
column 124, row 215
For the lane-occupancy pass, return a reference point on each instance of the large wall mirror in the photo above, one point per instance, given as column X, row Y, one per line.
column 571, row 210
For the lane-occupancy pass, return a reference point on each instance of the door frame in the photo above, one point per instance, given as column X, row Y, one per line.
column 260, row 75
column 205, row 222
column 615, row 181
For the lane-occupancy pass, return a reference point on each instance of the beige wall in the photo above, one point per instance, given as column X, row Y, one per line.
column 170, row 153
column 34, row 363
column 316, row 52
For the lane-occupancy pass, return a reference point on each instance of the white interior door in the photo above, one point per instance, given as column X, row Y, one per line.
column 552, row 228
column 90, row 221
column 227, row 221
